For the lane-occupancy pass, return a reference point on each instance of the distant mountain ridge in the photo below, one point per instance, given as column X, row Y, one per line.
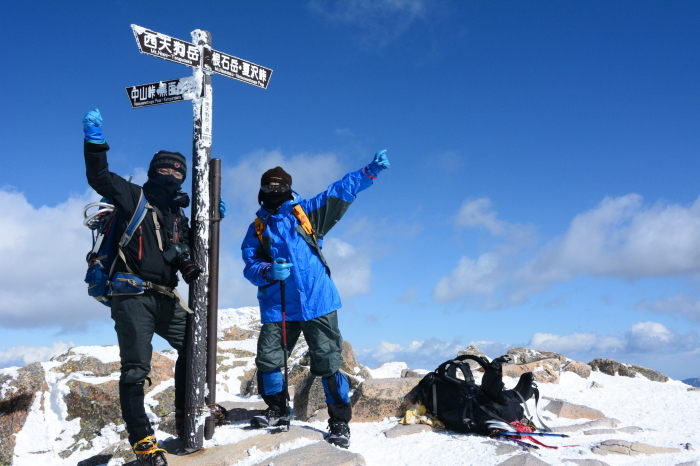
column 693, row 382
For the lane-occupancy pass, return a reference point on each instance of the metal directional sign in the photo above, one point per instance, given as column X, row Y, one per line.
column 236, row 68
column 162, row 46
column 201, row 339
column 163, row 92
column 166, row 47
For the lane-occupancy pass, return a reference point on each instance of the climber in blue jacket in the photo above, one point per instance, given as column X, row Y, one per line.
column 285, row 244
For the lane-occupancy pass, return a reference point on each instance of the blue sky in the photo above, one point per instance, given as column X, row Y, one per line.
column 543, row 185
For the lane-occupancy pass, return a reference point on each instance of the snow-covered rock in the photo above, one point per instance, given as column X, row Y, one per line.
column 67, row 413
column 612, row 367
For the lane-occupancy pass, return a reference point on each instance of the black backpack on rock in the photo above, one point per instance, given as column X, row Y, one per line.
column 451, row 394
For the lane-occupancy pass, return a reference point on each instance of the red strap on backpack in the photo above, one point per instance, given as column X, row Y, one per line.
column 524, row 428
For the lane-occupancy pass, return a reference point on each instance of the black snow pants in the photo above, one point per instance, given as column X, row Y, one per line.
column 136, row 319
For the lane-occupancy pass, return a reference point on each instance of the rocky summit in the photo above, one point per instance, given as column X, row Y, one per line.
column 65, row 412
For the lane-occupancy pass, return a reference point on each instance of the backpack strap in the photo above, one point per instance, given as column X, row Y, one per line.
column 303, row 220
column 298, row 212
column 157, row 224
column 259, row 228
column 545, row 428
column 142, row 209
column 481, row 361
column 136, row 219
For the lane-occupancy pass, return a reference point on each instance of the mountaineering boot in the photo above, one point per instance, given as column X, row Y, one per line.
column 148, row 453
column 271, row 417
column 338, row 433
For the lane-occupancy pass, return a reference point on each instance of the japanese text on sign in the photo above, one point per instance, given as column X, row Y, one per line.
column 162, row 92
column 162, row 46
column 236, row 68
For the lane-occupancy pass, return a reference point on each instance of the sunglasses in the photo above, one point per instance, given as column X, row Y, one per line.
column 275, row 188
column 170, row 171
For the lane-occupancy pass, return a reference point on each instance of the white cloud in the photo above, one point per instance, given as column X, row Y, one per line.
column 427, row 354
column 492, row 349
column 43, row 251
column 23, row 355
column 485, row 275
column 680, row 304
column 575, row 342
column 418, row 354
column 351, row 267
column 479, row 213
column 650, row 344
column 645, row 337
column 480, row 276
column 381, row 21
column 43, row 269
column 619, row 238
column 642, row 337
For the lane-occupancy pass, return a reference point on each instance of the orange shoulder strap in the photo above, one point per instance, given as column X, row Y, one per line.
column 298, row 213
column 259, row 228
column 303, row 219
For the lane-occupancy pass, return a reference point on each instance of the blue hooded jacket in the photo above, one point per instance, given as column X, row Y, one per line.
column 310, row 292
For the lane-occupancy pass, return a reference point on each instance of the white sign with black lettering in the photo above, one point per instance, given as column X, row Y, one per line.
column 166, row 47
column 237, row 68
column 163, row 92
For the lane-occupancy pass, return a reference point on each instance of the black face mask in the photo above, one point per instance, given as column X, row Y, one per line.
column 169, row 182
column 272, row 201
column 162, row 196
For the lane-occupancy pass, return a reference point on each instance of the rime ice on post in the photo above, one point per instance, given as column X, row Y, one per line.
column 197, row 88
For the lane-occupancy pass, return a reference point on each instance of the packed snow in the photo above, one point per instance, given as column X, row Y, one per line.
column 667, row 413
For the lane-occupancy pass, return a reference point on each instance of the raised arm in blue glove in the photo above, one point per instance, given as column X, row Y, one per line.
column 380, row 162
column 222, row 208
column 279, row 270
column 92, row 127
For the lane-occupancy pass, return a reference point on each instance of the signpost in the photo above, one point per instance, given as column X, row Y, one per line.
column 162, row 46
column 236, row 68
column 204, row 60
column 163, row 92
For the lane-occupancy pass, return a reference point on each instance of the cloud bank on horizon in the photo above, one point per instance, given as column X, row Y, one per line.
column 621, row 238
column 650, row 342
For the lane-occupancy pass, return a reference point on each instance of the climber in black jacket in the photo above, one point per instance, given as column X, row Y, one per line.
column 157, row 251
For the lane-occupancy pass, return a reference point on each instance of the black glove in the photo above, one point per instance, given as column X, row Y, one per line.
column 190, row 271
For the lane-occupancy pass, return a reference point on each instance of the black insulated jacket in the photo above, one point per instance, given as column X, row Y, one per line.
column 143, row 256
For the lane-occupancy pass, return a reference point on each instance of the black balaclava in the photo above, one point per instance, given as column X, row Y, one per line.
column 272, row 201
column 163, row 189
column 165, row 159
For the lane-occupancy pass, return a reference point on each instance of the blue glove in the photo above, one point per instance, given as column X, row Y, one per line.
column 92, row 127
column 222, row 208
column 279, row 270
column 92, row 118
column 379, row 163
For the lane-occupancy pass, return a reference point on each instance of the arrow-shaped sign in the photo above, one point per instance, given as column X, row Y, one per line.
column 237, row 68
column 166, row 47
column 163, row 92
